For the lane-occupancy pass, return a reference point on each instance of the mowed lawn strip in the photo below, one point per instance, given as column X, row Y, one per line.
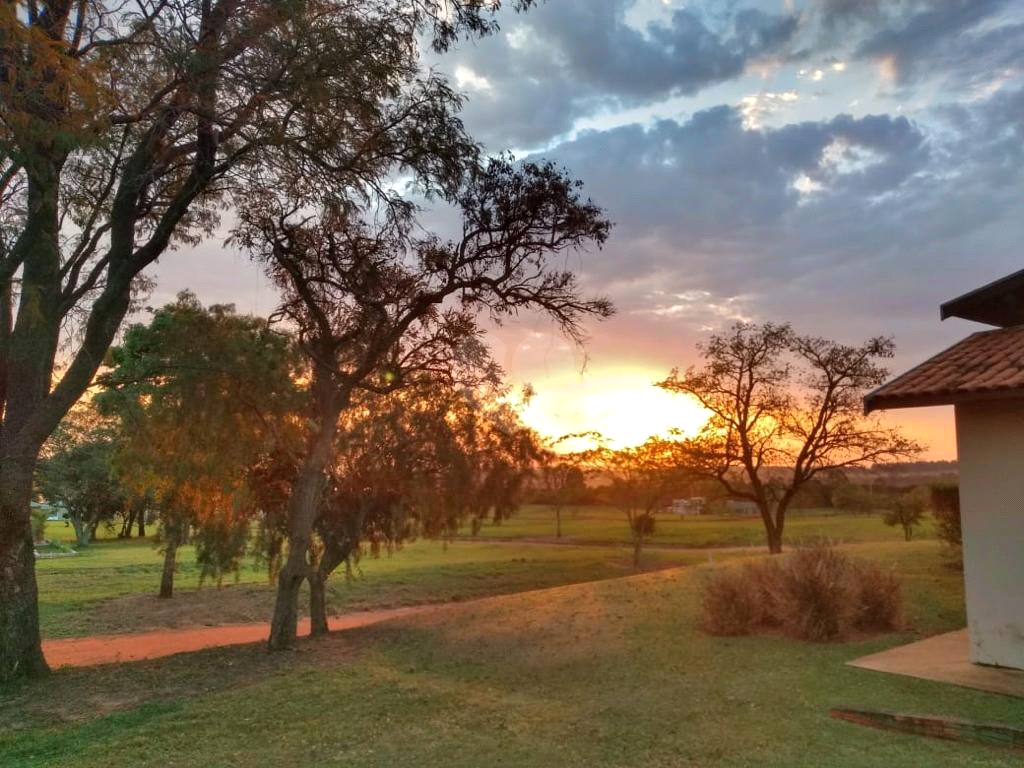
column 614, row 673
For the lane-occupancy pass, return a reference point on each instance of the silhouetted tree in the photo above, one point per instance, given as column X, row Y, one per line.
column 562, row 478
column 377, row 309
column 782, row 409
column 643, row 482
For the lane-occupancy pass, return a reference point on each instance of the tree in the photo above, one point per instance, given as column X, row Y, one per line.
column 197, row 393
column 563, row 481
column 126, row 128
column 377, row 309
column 784, row 408
column 78, row 472
column 421, row 461
column 853, row 498
column 907, row 510
column 643, row 482
column 945, row 503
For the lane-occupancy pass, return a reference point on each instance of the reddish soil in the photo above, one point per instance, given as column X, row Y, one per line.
column 107, row 649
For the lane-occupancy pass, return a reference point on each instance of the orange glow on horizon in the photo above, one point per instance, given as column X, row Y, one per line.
column 626, row 408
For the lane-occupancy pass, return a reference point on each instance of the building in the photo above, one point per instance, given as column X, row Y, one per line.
column 691, row 506
column 982, row 377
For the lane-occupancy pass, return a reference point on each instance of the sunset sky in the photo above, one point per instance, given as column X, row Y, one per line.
column 845, row 165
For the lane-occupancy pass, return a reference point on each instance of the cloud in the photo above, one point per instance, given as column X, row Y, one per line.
column 927, row 35
column 575, row 58
column 961, row 43
column 848, row 226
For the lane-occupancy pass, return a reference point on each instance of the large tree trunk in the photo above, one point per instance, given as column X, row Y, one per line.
column 329, row 562
column 21, row 653
column 317, row 604
column 304, row 505
column 772, row 526
column 82, row 531
column 31, row 348
column 284, row 625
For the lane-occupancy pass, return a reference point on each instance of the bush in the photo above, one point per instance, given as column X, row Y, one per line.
column 813, row 594
column 817, row 594
column 946, row 509
column 38, row 525
column 730, row 603
column 879, row 600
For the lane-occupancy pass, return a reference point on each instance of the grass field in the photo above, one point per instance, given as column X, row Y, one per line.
column 605, row 524
column 111, row 586
column 614, row 673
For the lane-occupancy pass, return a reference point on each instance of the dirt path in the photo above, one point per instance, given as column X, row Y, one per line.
column 108, row 649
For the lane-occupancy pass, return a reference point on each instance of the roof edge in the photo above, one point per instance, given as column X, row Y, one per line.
column 950, row 308
column 882, row 402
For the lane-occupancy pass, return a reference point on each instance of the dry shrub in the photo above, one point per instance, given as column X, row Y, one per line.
column 817, row 594
column 730, row 604
column 879, row 599
column 813, row 594
column 765, row 579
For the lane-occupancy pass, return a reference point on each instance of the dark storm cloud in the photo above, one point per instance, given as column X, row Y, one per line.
column 710, row 180
column 570, row 59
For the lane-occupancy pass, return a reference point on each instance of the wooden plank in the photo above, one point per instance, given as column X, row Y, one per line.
column 951, row 729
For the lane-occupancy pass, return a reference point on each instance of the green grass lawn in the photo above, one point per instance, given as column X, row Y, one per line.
column 111, row 586
column 603, row 524
column 614, row 673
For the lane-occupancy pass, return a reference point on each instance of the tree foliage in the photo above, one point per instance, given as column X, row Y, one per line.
column 907, row 510
column 421, row 461
column 198, row 393
column 643, row 481
column 77, row 472
column 784, row 408
column 378, row 307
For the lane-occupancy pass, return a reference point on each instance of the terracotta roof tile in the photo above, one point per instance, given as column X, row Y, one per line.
column 985, row 365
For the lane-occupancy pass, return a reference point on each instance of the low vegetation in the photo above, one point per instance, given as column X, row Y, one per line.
column 815, row 593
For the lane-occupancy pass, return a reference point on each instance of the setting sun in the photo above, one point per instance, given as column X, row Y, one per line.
column 625, row 407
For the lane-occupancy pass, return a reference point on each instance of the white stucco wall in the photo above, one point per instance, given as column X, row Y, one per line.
column 990, row 441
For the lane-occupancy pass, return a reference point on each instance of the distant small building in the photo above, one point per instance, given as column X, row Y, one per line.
column 982, row 377
column 55, row 511
column 691, row 506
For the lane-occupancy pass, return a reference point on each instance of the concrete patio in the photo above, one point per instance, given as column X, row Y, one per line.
column 945, row 659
